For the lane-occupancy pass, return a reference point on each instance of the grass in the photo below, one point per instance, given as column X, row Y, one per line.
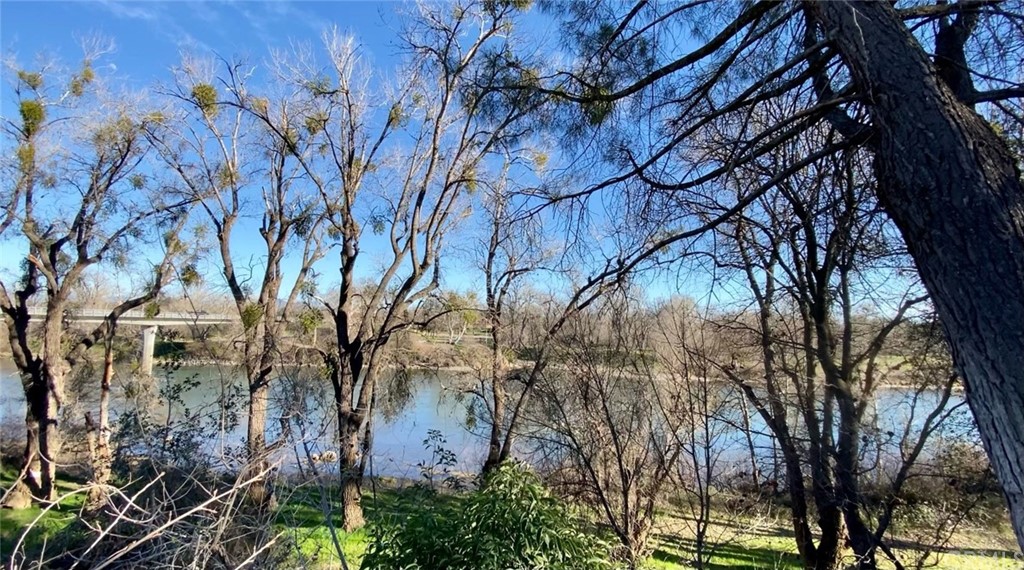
column 300, row 518
column 768, row 547
column 50, row 523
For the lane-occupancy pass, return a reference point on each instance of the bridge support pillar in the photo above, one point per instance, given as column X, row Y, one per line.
column 148, row 344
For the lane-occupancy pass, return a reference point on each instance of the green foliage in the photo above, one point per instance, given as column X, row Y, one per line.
column 87, row 74
column 78, row 82
column 205, row 96
column 261, row 105
column 597, row 110
column 138, row 181
column 26, row 157
column 309, row 320
column 173, row 243
column 76, row 87
column 469, row 178
column 190, row 276
column 397, row 116
column 156, row 117
column 442, row 461
column 316, row 122
column 497, row 6
column 540, row 161
column 303, row 225
column 120, row 131
column 320, row 86
column 32, row 115
column 151, row 310
column 378, row 223
column 251, row 315
column 512, row 522
column 291, row 140
column 227, row 175
column 31, row 79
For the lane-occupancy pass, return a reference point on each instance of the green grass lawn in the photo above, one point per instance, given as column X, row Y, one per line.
column 301, row 521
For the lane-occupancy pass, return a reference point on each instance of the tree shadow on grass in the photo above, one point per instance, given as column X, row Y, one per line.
column 303, row 507
column 733, row 556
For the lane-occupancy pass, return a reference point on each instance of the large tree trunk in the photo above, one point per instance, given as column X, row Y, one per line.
column 350, row 422
column 351, row 480
column 48, row 440
column 256, row 444
column 954, row 190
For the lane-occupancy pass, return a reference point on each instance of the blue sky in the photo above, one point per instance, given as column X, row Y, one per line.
column 150, row 36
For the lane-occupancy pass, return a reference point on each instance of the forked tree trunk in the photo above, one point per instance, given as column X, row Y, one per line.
column 825, row 554
column 953, row 188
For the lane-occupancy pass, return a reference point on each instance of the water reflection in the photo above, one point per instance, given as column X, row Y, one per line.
column 409, row 404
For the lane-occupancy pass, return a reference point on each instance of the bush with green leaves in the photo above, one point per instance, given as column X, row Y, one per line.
column 512, row 522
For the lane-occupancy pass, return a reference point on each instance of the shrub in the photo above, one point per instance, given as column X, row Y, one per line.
column 513, row 522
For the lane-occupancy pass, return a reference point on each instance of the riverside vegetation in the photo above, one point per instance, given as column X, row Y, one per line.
column 742, row 294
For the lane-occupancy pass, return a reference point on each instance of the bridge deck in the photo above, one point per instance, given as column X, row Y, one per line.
column 139, row 317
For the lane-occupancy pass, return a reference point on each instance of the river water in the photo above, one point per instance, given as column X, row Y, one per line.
column 410, row 408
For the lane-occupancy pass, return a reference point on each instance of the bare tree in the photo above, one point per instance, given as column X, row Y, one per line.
column 596, row 421
column 511, row 254
column 402, row 170
column 87, row 146
column 813, row 253
column 234, row 165
column 703, row 410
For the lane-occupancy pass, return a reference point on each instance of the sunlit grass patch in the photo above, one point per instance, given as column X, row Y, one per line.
column 44, row 526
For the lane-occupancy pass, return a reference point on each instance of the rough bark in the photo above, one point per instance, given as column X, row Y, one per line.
column 351, row 417
column 955, row 192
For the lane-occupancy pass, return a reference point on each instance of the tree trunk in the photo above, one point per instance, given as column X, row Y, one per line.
column 953, row 188
column 862, row 540
column 824, row 555
column 256, row 443
column 29, row 483
column 351, row 481
column 45, row 399
column 350, row 422
column 499, row 403
column 49, row 445
column 98, row 433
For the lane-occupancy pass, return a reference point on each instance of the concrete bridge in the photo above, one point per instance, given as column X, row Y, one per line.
column 150, row 324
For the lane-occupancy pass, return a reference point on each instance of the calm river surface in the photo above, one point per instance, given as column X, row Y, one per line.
column 407, row 411
column 428, row 401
